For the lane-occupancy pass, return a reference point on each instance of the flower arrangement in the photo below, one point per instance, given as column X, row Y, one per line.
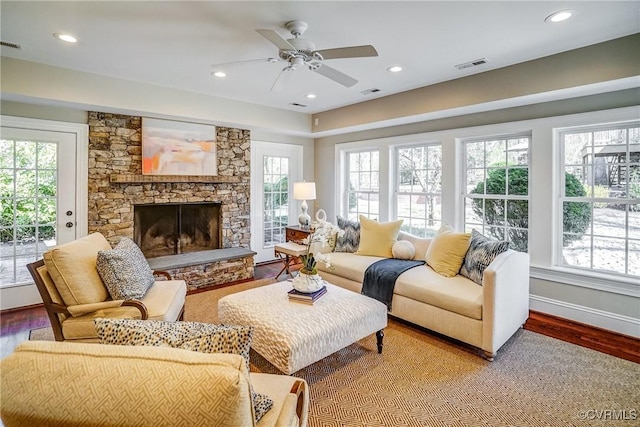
column 322, row 233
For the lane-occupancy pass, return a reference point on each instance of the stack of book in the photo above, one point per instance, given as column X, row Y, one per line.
column 306, row 298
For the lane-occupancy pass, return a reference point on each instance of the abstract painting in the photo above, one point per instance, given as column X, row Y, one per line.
column 178, row 148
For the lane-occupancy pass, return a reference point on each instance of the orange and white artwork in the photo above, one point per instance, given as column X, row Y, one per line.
column 178, row 148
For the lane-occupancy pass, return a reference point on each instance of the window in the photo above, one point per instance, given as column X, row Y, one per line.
column 276, row 199
column 496, row 198
column 28, row 186
column 418, row 186
column 363, row 186
column 600, row 196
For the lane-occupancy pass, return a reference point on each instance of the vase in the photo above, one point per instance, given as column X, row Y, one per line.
column 307, row 283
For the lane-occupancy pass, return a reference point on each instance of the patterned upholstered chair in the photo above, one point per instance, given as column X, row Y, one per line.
column 78, row 384
column 74, row 293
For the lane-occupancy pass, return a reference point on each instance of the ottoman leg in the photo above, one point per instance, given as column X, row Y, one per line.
column 379, row 337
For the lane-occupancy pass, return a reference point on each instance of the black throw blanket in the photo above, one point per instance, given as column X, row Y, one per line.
column 380, row 278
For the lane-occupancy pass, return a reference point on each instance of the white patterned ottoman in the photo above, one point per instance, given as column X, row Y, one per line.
column 292, row 335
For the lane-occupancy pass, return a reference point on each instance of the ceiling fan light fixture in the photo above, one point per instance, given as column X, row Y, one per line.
column 66, row 37
column 559, row 16
column 394, row 69
column 219, row 74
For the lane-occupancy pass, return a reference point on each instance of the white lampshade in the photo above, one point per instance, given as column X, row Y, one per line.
column 304, row 190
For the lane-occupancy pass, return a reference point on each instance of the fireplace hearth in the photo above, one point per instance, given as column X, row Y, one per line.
column 177, row 228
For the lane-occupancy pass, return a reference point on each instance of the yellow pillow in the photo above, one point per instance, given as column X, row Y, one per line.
column 447, row 250
column 377, row 239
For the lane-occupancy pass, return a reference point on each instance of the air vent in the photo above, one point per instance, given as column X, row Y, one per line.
column 295, row 104
column 11, row 45
column 370, row 91
column 473, row 63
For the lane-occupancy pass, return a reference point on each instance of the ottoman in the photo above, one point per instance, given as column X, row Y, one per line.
column 293, row 335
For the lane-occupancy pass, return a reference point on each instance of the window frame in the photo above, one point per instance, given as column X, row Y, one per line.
column 560, row 167
column 346, row 170
column 396, row 179
column 463, row 164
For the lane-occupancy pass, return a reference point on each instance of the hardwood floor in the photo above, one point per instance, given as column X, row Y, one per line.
column 15, row 326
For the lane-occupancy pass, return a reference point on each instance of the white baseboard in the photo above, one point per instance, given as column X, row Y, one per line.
column 601, row 319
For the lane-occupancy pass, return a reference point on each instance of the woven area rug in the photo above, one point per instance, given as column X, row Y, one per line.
column 422, row 379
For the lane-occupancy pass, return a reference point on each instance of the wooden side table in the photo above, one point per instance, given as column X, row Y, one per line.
column 295, row 233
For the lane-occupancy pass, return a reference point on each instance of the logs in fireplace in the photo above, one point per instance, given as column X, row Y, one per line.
column 169, row 229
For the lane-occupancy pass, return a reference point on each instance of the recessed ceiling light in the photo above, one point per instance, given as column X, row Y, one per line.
column 559, row 16
column 66, row 37
column 311, row 95
column 220, row 74
column 394, row 69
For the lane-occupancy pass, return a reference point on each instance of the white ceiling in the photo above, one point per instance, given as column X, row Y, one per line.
column 175, row 43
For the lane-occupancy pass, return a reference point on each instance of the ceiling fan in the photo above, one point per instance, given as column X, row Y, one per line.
column 299, row 52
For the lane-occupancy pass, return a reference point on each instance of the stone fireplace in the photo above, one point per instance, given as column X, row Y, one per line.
column 176, row 228
column 203, row 253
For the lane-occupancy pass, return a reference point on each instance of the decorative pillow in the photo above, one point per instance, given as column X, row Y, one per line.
column 403, row 249
column 350, row 240
column 447, row 250
column 125, row 271
column 194, row 336
column 377, row 238
column 72, row 267
column 482, row 251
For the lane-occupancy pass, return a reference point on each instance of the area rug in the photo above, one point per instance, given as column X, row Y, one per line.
column 422, row 379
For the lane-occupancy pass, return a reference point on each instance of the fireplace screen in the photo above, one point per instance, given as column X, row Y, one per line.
column 176, row 228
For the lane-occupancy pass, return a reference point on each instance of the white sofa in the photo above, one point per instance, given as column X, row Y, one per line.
column 483, row 316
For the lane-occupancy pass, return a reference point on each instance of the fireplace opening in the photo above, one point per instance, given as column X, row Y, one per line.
column 169, row 229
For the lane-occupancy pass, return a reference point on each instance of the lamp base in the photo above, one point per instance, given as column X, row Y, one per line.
column 304, row 219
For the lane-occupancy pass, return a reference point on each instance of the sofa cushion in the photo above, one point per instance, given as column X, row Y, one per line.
column 165, row 299
column 377, row 238
column 456, row 294
column 350, row 240
column 348, row 265
column 481, row 253
column 72, row 267
column 125, row 271
column 403, row 249
column 446, row 251
column 194, row 336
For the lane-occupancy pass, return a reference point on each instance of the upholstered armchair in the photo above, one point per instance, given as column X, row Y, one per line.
column 74, row 293
column 77, row 384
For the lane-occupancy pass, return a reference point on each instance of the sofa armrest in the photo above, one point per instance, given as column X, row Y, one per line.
column 295, row 409
column 505, row 299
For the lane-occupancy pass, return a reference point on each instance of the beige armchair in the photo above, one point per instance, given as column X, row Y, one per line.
column 76, row 384
column 74, row 294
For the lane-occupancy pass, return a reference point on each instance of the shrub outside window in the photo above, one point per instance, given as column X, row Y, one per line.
column 496, row 199
column 418, row 183
column 363, row 184
column 601, row 216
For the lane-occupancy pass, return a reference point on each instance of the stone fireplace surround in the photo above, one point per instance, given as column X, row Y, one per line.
column 116, row 184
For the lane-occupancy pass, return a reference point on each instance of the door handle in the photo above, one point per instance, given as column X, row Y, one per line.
column 69, row 224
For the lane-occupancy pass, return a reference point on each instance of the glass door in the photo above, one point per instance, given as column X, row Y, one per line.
column 37, row 197
column 275, row 167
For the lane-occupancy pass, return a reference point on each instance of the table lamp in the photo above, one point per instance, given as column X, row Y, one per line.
column 304, row 191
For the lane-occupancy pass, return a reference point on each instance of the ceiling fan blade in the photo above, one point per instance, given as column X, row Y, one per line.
column 218, row 66
column 282, row 79
column 349, row 52
column 276, row 39
column 335, row 75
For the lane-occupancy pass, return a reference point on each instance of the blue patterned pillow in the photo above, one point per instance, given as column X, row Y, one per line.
column 482, row 251
column 350, row 240
column 125, row 271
